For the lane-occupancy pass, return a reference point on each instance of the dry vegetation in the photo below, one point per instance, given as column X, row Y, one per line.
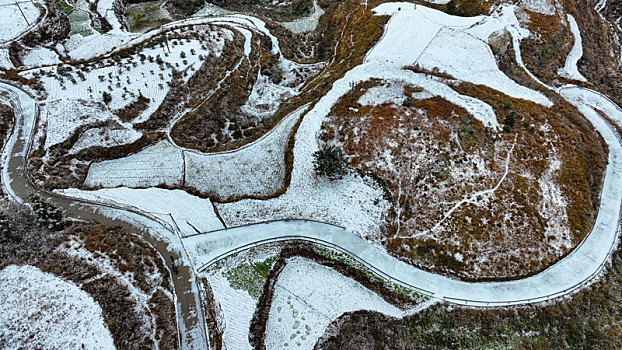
column 590, row 320
column 545, row 52
column 431, row 154
column 599, row 64
column 6, row 122
column 24, row 241
column 216, row 121
column 134, row 109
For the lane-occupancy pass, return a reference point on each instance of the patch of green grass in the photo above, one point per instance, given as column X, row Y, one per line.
column 301, row 9
column 250, row 276
column 63, row 6
column 145, row 15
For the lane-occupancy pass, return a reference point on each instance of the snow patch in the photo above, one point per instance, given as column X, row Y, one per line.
column 42, row 311
column 570, row 69
column 256, row 169
column 545, row 7
column 308, row 297
column 184, row 213
column 161, row 163
column 105, row 137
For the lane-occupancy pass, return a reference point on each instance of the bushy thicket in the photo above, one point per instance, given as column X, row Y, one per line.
column 329, row 162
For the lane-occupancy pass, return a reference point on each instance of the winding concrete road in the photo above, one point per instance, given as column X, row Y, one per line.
column 576, row 270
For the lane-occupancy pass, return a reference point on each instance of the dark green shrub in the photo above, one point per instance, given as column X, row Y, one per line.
column 48, row 215
column 329, row 162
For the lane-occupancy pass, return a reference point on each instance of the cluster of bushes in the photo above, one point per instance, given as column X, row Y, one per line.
column 467, row 8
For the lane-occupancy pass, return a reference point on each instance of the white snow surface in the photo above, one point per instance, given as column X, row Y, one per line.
column 570, row 69
column 39, row 55
column 13, row 22
column 42, row 311
column 60, row 118
column 266, row 96
column 256, row 169
column 161, row 163
column 308, row 297
column 307, row 24
column 105, row 137
column 238, row 308
column 433, row 39
column 545, row 7
column 183, row 213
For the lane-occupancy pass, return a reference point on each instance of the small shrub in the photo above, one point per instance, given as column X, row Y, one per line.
column 106, row 97
column 48, row 214
column 408, row 101
column 329, row 162
column 510, row 119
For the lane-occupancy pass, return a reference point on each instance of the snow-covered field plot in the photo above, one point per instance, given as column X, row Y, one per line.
column 448, row 43
column 229, row 280
column 354, row 202
column 257, row 169
column 148, row 72
column 238, row 308
column 161, row 163
column 105, row 137
column 59, row 119
column 469, row 59
column 181, row 212
column 13, row 22
column 266, row 97
column 42, row 311
column 5, row 61
column 40, row 55
column 309, row 296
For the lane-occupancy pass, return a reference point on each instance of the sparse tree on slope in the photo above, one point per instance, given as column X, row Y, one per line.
column 329, row 162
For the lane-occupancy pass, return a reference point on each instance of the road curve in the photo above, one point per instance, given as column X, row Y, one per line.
column 17, row 185
column 576, row 270
column 571, row 273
